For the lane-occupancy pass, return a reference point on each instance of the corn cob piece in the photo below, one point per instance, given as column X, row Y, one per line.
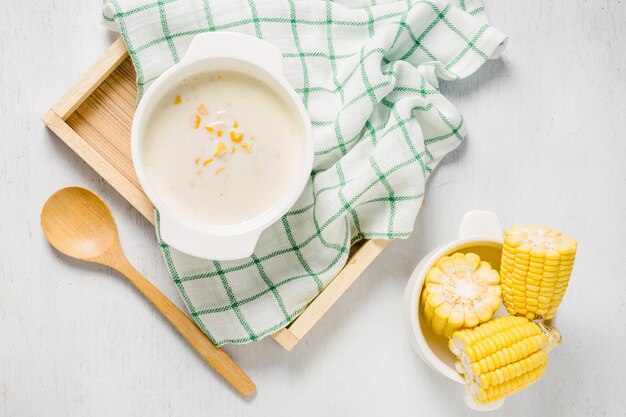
column 460, row 291
column 502, row 356
column 535, row 269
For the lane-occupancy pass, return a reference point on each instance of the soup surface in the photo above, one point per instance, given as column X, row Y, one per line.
column 221, row 148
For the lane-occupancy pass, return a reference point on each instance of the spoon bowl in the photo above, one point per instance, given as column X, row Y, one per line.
column 79, row 224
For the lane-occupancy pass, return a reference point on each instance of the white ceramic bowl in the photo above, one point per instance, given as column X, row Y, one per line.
column 250, row 56
column 480, row 233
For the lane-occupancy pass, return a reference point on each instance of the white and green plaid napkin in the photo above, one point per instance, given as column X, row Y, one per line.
column 367, row 72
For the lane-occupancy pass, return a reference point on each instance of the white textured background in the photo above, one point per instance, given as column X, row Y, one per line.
column 547, row 144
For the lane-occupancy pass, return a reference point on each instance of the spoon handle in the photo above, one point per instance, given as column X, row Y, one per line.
column 214, row 356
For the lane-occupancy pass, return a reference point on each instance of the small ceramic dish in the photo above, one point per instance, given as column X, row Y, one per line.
column 480, row 233
column 251, row 57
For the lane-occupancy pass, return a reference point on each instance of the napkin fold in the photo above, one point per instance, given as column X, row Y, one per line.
column 368, row 73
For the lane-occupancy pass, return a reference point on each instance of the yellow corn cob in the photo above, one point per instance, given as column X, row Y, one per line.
column 536, row 266
column 502, row 356
column 460, row 291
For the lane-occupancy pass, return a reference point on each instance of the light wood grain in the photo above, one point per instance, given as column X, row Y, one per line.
column 94, row 118
column 106, row 64
column 103, row 166
column 105, row 117
column 80, row 225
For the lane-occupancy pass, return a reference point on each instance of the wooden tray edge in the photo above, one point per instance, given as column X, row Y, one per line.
column 91, row 79
column 95, row 160
column 362, row 258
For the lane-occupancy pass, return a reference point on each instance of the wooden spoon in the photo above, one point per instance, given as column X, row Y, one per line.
column 79, row 224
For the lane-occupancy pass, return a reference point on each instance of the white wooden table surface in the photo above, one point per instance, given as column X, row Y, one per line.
column 547, row 144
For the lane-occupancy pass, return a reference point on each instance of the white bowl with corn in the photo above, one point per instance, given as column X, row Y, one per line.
column 490, row 331
column 222, row 146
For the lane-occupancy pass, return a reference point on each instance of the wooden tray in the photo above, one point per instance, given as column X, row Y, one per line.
column 94, row 118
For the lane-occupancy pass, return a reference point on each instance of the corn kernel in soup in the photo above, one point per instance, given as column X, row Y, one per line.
column 222, row 148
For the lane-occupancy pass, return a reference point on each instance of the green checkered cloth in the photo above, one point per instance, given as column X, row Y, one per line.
column 367, row 72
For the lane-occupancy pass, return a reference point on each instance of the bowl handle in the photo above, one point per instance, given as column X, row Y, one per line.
column 207, row 245
column 480, row 223
column 235, row 46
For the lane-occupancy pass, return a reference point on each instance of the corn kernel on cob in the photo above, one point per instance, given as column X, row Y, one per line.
column 460, row 291
column 502, row 356
column 535, row 270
